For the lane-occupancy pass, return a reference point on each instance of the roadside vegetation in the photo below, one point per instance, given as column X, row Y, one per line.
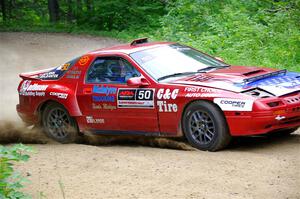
column 243, row 32
column 10, row 180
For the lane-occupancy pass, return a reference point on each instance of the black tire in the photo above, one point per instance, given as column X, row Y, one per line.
column 58, row 124
column 205, row 126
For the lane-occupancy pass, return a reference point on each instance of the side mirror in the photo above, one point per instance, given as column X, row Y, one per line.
column 220, row 59
column 138, row 82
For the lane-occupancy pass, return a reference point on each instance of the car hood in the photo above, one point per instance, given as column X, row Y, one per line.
column 241, row 78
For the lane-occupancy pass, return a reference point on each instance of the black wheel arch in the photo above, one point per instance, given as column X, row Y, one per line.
column 40, row 109
column 197, row 100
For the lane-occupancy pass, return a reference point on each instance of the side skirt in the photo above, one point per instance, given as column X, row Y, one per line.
column 133, row 133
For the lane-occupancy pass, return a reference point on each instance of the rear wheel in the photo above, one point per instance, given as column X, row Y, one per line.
column 58, row 124
column 205, row 127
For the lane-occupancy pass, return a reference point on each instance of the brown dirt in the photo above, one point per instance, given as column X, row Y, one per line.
column 255, row 167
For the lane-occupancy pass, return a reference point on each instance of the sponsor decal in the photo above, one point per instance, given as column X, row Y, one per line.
column 65, row 66
column 49, row 75
column 108, row 94
column 33, row 94
column 200, row 89
column 127, row 94
column 59, row 95
column 103, row 98
column 136, row 98
column 73, row 74
column 28, row 89
column 104, row 90
column 167, row 94
column 91, row 120
column 163, row 106
column 201, row 95
column 27, row 86
column 83, row 60
column 228, row 104
column 103, row 106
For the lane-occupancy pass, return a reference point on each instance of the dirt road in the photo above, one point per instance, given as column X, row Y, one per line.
column 256, row 167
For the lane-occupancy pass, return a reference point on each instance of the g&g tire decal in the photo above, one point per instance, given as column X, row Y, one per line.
column 135, row 98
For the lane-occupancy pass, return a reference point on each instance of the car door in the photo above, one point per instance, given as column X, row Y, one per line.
column 109, row 104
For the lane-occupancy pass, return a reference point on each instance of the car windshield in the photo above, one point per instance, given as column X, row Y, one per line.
column 174, row 60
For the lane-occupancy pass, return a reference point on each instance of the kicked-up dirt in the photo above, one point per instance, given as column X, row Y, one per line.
column 105, row 167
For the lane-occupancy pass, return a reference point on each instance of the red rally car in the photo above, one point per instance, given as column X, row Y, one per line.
column 159, row 89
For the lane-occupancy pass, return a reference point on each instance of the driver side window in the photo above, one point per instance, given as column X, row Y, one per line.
column 111, row 70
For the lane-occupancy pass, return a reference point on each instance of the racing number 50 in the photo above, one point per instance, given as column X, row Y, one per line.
column 145, row 94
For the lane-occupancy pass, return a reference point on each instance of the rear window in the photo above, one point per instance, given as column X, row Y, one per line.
column 58, row 72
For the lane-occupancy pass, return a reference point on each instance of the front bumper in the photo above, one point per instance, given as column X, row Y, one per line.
column 262, row 122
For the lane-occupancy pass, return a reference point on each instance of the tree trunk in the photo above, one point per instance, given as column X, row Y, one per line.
column 89, row 5
column 53, row 8
column 3, row 9
column 70, row 11
column 78, row 11
column 9, row 10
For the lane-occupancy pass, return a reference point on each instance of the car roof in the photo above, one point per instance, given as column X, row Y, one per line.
column 129, row 48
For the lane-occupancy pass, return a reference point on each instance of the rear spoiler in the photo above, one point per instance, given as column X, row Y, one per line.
column 32, row 75
column 25, row 76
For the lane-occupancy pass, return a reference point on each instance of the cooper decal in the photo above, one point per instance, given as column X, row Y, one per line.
column 135, row 98
column 59, row 95
column 227, row 104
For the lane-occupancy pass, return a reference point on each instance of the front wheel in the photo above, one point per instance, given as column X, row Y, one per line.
column 58, row 124
column 205, row 126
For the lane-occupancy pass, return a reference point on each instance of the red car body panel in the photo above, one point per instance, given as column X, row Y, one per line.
column 169, row 99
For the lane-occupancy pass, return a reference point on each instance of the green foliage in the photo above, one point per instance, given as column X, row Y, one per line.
column 11, row 181
column 120, row 15
column 243, row 32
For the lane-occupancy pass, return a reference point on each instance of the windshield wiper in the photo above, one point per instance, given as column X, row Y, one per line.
column 175, row 75
column 210, row 68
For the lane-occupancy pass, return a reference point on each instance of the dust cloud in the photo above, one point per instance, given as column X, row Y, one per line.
column 12, row 132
